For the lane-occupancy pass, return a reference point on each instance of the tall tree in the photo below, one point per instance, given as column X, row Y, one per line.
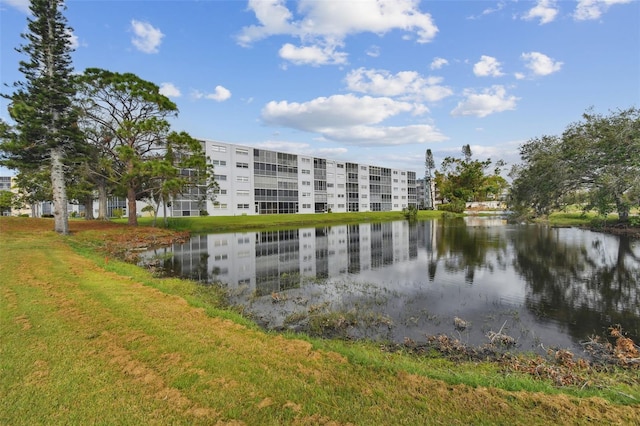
column 135, row 115
column 598, row 157
column 181, row 172
column 45, row 130
column 429, row 164
column 603, row 156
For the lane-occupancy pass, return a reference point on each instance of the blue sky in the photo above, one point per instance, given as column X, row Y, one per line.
column 369, row 81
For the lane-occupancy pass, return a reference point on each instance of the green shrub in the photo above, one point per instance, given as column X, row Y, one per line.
column 453, row 207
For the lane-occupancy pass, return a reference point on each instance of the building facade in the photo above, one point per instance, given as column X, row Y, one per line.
column 259, row 181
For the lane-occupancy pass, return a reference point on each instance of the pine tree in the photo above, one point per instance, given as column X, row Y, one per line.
column 45, row 130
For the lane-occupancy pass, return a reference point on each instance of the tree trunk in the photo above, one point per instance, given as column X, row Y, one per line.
column 132, row 212
column 102, row 200
column 60, row 209
column 88, row 207
column 623, row 210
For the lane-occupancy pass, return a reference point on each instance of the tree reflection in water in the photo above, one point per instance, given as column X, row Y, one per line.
column 584, row 280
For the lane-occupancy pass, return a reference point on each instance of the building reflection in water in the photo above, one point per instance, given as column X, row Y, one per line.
column 275, row 261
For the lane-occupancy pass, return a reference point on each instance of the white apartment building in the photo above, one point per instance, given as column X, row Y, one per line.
column 259, row 181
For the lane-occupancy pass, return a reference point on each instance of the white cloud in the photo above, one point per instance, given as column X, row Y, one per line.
column 331, row 112
column 338, row 19
column 350, row 119
column 438, row 63
column 146, row 38
column 373, row 51
column 489, row 11
column 541, row 64
column 385, row 136
column 312, row 55
column 274, row 19
column 220, row 94
column 408, row 85
column 169, row 90
column 487, row 66
column 323, row 25
column 545, row 10
column 489, row 101
column 592, row 9
column 21, row 5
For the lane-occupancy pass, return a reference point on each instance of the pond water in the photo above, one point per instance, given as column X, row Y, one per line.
column 544, row 287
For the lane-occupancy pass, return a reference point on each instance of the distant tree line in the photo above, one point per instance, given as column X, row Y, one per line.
column 97, row 134
column 594, row 163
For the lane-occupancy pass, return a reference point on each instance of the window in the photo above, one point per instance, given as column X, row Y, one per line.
column 242, row 179
column 242, row 192
column 218, row 148
column 218, row 162
column 306, row 206
column 221, row 257
column 341, row 166
column 241, row 151
column 243, row 206
column 306, row 183
column 363, row 167
column 306, row 172
column 220, row 206
column 220, row 177
column 220, row 191
column 329, row 185
column 242, row 165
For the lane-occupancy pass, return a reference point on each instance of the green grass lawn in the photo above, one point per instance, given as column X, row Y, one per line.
column 89, row 340
column 253, row 222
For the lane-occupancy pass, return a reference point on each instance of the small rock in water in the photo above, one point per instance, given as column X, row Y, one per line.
column 459, row 324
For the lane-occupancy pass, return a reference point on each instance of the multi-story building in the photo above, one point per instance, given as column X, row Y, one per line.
column 259, row 181
column 426, row 194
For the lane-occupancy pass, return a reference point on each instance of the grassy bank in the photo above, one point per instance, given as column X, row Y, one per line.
column 255, row 222
column 89, row 340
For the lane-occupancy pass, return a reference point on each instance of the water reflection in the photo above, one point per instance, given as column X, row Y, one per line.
column 583, row 280
column 544, row 285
